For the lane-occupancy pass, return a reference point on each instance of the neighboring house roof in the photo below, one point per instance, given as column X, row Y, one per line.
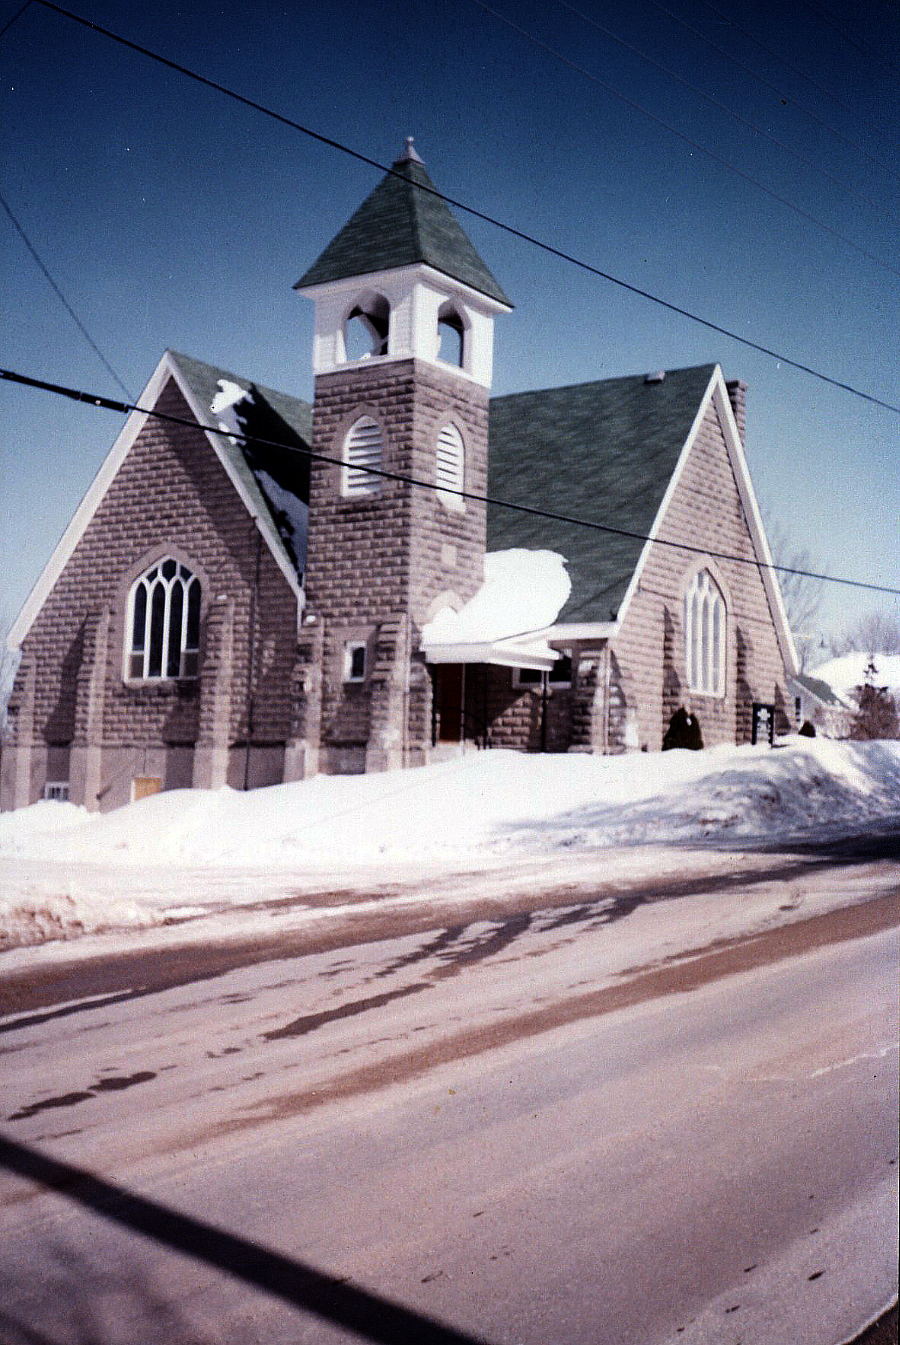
column 279, row 475
column 602, row 451
column 399, row 224
column 814, row 686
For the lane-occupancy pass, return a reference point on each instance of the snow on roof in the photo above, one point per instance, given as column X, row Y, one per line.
column 849, row 671
column 238, row 410
column 523, row 592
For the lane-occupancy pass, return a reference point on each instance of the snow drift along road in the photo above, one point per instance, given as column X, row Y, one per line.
column 483, row 805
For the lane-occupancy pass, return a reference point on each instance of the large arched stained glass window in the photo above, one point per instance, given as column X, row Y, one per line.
column 704, row 635
column 164, row 623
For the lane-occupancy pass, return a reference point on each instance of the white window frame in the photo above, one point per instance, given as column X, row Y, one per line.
column 705, row 636
column 57, row 791
column 351, row 648
column 450, row 466
column 138, row 659
column 363, row 448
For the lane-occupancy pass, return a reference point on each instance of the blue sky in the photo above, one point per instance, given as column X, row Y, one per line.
column 170, row 216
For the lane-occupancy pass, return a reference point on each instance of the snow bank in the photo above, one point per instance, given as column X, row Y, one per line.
column 523, row 591
column 66, row 871
column 849, row 671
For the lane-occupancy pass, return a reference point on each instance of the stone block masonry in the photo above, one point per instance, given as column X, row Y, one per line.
column 376, row 557
column 171, row 496
column 705, row 510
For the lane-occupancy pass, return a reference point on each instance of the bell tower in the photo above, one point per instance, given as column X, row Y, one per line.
column 402, row 358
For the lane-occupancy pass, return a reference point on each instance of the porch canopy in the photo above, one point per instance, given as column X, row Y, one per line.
column 507, row 620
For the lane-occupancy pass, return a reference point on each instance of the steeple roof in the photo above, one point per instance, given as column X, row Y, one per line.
column 401, row 224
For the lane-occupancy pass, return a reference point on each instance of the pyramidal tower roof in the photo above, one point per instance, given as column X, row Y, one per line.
column 400, row 224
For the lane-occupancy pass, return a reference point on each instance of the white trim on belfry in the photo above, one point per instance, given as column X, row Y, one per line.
column 166, row 369
column 717, row 394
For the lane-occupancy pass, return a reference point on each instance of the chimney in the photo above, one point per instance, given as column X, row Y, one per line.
column 737, row 395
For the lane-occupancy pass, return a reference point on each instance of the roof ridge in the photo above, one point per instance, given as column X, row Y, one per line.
column 597, row 382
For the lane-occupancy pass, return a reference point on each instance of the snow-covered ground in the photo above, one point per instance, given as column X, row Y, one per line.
column 68, row 872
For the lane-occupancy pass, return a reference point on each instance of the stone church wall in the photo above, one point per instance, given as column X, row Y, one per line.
column 170, row 496
column 706, row 511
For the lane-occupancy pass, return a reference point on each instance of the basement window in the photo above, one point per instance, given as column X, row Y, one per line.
column 57, row 791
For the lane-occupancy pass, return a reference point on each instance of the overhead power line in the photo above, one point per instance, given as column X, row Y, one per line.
column 854, row 144
column 467, row 209
column 18, row 14
column 782, row 59
column 673, row 130
column 126, row 408
column 63, row 300
column 816, row 166
column 869, row 52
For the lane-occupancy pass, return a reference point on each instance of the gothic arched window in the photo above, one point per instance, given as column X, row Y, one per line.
column 363, row 449
column 704, row 635
column 163, row 630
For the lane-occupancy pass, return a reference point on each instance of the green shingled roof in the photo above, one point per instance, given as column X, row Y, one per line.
column 600, row 451
column 399, row 225
column 276, row 478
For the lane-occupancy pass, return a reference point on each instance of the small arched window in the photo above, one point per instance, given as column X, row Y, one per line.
column 164, row 623
column 363, row 449
column 367, row 328
column 704, row 635
column 450, row 471
column 451, row 334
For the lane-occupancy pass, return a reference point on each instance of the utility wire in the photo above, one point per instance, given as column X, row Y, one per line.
column 723, row 107
column 125, row 408
column 854, row 144
column 63, row 300
column 18, row 14
column 673, row 130
column 782, row 59
column 469, row 210
column 869, row 52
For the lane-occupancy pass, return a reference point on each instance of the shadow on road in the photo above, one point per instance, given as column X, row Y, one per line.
column 372, row 1317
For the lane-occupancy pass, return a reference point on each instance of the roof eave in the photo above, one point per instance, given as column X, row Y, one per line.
column 425, row 269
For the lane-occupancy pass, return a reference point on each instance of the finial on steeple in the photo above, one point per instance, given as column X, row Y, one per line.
column 409, row 154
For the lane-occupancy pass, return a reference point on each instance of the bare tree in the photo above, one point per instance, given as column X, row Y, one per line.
column 873, row 633
column 802, row 595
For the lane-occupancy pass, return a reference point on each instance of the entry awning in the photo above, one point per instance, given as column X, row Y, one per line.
column 502, row 653
column 507, row 621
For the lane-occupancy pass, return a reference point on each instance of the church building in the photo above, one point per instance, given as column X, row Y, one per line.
column 254, row 590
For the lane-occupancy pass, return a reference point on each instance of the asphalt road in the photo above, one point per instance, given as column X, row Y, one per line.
column 492, row 1130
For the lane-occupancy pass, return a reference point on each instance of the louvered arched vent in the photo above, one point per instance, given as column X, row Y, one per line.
column 450, row 470
column 363, row 449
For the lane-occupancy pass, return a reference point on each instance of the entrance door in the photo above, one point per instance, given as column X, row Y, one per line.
column 449, row 693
